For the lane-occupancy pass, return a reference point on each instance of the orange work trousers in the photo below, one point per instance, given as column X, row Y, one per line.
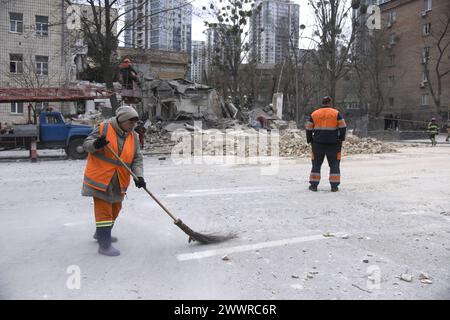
column 105, row 212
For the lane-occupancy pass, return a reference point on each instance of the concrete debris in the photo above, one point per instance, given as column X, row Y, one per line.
column 295, row 276
column 345, row 236
column 425, row 278
column 231, row 137
column 406, row 277
column 293, row 144
column 225, row 258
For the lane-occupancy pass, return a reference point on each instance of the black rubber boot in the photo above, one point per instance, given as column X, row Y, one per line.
column 113, row 239
column 313, row 188
column 104, row 242
column 334, row 189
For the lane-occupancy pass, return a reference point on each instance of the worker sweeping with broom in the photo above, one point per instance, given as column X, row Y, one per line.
column 105, row 178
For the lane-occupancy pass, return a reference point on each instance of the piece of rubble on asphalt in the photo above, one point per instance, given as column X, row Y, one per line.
column 345, row 236
column 425, row 278
column 406, row 277
column 225, row 258
column 426, row 281
column 295, row 276
column 328, row 234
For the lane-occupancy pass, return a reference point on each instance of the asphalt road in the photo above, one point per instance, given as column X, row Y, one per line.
column 391, row 217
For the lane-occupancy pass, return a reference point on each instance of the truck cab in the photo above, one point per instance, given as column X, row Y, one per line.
column 55, row 133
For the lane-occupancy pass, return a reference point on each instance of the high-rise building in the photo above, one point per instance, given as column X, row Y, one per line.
column 152, row 25
column 198, row 60
column 274, row 31
column 214, row 45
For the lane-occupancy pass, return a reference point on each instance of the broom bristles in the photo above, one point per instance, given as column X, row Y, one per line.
column 203, row 238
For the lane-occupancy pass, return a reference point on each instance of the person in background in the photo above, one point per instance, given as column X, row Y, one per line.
column 433, row 131
column 140, row 129
column 448, row 130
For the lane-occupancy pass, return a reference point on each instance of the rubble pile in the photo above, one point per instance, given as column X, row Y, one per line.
column 292, row 142
column 356, row 145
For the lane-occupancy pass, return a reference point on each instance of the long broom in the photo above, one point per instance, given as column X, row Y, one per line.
column 193, row 236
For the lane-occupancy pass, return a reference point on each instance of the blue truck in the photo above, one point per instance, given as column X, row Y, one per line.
column 52, row 132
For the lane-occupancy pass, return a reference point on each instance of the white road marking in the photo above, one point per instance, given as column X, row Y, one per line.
column 70, row 224
column 256, row 246
column 236, row 190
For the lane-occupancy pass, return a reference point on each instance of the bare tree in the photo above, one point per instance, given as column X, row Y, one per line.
column 334, row 40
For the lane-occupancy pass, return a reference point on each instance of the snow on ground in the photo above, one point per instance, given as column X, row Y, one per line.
column 290, row 245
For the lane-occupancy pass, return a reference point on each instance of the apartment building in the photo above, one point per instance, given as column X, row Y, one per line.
column 152, row 25
column 418, row 53
column 274, row 31
column 34, row 50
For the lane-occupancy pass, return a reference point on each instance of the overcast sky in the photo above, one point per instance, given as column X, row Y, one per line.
column 306, row 18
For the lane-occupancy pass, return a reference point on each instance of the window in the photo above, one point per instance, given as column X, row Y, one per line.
column 392, row 59
column 424, row 100
column 426, row 29
column 16, row 63
column 17, row 107
column 16, row 22
column 392, row 17
column 52, row 119
column 41, row 65
column 392, row 39
column 424, row 77
column 41, row 26
column 425, row 54
column 428, row 5
column 391, row 81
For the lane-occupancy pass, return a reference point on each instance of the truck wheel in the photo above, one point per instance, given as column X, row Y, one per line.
column 75, row 149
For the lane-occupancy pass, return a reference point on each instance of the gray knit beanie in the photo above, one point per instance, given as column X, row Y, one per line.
column 125, row 113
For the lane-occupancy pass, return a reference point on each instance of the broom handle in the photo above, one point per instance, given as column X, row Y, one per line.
column 136, row 178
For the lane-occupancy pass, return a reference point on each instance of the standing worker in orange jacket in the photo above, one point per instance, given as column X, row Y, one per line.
column 325, row 130
column 105, row 179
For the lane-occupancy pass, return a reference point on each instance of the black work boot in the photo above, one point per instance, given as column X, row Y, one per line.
column 104, row 242
column 113, row 239
column 313, row 188
column 334, row 189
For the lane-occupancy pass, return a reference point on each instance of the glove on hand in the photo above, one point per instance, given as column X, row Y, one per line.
column 140, row 183
column 100, row 142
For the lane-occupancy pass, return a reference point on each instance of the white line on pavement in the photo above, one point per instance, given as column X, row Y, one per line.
column 261, row 245
column 203, row 192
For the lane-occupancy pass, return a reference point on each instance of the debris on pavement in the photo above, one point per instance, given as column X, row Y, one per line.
column 225, row 258
column 406, row 277
column 328, row 234
column 425, row 278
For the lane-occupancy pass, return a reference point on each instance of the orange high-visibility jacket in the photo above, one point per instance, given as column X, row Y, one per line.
column 102, row 165
column 326, row 125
